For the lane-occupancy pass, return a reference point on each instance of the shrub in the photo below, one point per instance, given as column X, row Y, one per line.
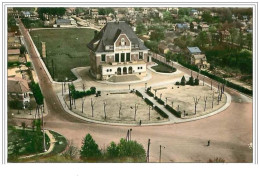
column 160, row 101
column 138, row 93
column 173, row 111
column 197, row 81
column 191, row 81
column 177, row 83
column 183, row 81
column 15, row 104
column 162, row 113
column 148, row 102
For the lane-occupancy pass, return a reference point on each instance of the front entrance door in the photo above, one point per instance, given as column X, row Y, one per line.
column 119, row 71
column 124, row 70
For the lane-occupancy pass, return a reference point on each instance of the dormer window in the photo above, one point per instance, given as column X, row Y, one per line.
column 122, row 41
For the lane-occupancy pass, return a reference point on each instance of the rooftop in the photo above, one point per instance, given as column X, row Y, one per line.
column 109, row 34
column 193, row 50
column 17, row 85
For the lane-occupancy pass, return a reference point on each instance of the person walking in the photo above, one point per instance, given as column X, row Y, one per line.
column 208, row 142
column 140, row 122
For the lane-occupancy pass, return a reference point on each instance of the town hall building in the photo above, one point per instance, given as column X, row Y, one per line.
column 116, row 50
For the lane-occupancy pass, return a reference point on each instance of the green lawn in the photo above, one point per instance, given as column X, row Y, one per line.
column 162, row 68
column 24, row 142
column 66, row 47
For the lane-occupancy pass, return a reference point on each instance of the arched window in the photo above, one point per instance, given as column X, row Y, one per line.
column 122, row 41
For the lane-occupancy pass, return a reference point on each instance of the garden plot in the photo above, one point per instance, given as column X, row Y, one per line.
column 182, row 99
column 113, row 101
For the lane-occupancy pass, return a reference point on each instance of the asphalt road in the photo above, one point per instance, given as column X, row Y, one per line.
column 230, row 131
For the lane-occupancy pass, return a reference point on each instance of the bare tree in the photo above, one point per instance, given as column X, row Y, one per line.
column 211, row 85
column 149, row 112
column 71, row 151
column 136, row 108
column 120, row 108
column 92, row 107
column 205, row 100
column 172, row 104
column 219, row 97
column 83, row 98
column 203, row 80
column 218, row 86
column 105, row 113
column 212, row 103
column 196, row 101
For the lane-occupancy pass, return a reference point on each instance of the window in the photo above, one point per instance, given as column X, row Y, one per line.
column 117, row 57
column 122, row 57
column 107, row 70
column 110, row 70
column 140, row 55
column 122, row 41
column 127, row 56
column 107, row 47
column 103, row 57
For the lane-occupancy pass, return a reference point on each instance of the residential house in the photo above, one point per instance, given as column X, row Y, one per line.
column 13, row 55
column 102, row 21
column 18, row 89
column 13, row 41
column 181, row 27
column 224, row 35
column 26, row 14
column 116, row 50
column 162, row 47
column 62, row 23
column 194, row 13
column 197, row 57
column 204, row 27
column 94, row 13
column 194, row 26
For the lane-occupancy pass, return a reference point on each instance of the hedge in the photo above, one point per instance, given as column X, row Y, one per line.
column 79, row 94
column 217, row 78
column 138, row 93
column 148, row 102
column 149, row 93
column 160, row 101
column 173, row 111
column 162, row 113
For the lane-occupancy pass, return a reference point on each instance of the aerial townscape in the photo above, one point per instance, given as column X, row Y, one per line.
column 132, row 84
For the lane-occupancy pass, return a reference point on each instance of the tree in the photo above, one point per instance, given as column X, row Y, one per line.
column 112, row 150
column 71, row 152
column 140, row 29
column 22, row 49
column 197, row 81
column 191, row 81
column 120, row 108
column 183, row 81
column 136, row 108
column 205, row 100
column 196, row 101
column 131, row 149
column 92, row 107
column 105, row 113
column 167, row 17
column 206, row 16
column 89, row 149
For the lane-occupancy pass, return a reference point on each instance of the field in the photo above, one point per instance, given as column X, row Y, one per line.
column 113, row 101
column 67, row 48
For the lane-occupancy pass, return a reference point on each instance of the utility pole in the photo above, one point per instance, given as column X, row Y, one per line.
column 160, row 158
column 148, row 150
column 44, row 143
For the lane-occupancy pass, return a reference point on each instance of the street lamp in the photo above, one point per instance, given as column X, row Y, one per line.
column 161, row 152
column 130, row 130
column 145, row 85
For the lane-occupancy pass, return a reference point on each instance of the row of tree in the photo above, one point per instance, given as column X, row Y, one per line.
column 124, row 150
